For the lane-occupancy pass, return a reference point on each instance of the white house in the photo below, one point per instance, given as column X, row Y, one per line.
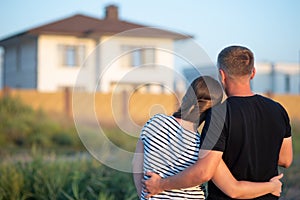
column 112, row 53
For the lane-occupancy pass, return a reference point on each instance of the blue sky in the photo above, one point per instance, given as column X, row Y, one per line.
column 271, row 28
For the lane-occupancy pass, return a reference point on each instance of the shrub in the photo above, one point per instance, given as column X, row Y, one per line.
column 47, row 177
column 62, row 139
column 11, row 182
column 21, row 126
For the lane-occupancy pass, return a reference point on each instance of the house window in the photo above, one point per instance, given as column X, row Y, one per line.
column 71, row 55
column 287, row 83
column 136, row 56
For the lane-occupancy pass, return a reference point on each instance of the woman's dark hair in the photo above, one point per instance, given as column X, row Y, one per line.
column 203, row 93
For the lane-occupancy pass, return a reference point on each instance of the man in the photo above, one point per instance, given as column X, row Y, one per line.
column 254, row 138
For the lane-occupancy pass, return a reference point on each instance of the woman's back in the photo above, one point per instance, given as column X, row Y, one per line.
column 169, row 149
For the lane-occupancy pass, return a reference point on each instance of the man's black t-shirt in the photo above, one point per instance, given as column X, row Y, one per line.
column 250, row 137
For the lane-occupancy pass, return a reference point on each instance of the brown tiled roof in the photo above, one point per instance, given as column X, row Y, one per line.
column 85, row 26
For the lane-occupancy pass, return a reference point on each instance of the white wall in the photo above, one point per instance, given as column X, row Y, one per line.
column 113, row 68
column 35, row 63
column 52, row 75
column 104, row 62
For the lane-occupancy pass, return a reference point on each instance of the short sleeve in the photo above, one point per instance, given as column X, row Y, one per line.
column 288, row 130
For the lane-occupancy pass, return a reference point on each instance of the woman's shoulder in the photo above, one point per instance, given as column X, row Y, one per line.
column 155, row 124
column 161, row 120
column 160, row 116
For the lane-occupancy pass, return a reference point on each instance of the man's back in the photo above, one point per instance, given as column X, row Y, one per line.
column 251, row 139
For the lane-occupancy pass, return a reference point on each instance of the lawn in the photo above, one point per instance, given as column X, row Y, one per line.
column 43, row 158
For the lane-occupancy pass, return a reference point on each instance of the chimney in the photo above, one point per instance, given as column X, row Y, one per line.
column 111, row 12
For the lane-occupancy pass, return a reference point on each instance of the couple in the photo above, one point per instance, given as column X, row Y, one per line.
column 243, row 141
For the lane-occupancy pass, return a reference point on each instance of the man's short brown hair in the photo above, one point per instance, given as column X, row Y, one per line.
column 236, row 61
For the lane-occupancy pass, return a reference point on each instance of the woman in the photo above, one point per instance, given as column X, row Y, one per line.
column 171, row 143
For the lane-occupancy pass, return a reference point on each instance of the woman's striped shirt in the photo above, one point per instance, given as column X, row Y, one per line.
column 169, row 149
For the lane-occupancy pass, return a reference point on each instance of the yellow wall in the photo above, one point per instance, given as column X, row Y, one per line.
column 137, row 107
column 108, row 108
column 49, row 102
column 291, row 103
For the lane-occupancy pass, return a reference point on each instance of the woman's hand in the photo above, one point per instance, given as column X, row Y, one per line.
column 277, row 184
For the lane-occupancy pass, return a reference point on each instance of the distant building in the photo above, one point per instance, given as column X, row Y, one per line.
column 277, row 78
column 48, row 58
column 190, row 73
column 1, row 69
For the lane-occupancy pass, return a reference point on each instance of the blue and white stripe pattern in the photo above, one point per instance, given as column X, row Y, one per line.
column 169, row 149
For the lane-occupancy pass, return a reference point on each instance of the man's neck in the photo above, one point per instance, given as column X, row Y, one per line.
column 236, row 89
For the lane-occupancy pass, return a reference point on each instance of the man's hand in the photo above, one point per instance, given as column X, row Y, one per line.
column 153, row 184
column 277, row 184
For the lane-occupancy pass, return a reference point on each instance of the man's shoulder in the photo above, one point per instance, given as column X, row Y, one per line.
column 256, row 98
column 270, row 102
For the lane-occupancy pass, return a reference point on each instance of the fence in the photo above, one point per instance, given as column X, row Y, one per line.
column 108, row 107
column 291, row 103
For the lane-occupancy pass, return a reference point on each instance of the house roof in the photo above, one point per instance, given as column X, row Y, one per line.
column 85, row 26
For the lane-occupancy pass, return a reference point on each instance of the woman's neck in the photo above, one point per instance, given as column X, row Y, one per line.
column 186, row 124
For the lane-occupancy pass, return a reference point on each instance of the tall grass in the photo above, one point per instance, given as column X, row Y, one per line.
column 35, row 163
column 52, row 178
column 23, row 127
column 46, row 176
column 291, row 184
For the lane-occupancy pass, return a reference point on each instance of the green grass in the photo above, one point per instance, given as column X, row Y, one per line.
column 121, row 139
column 291, row 185
column 40, row 160
column 22, row 127
column 296, row 136
column 51, row 177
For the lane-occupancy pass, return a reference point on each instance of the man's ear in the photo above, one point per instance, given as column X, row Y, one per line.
column 253, row 73
column 222, row 76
